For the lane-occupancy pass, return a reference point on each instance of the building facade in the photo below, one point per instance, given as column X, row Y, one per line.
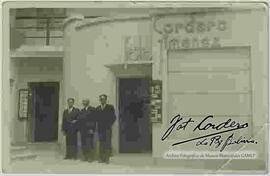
column 153, row 64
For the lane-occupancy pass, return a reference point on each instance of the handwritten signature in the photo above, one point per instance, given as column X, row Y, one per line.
column 213, row 139
column 218, row 141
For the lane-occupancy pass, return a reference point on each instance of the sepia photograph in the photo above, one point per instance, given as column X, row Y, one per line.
column 135, row 87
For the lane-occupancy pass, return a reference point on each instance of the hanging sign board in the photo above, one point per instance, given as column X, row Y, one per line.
column 23, row 104
column 156, row 101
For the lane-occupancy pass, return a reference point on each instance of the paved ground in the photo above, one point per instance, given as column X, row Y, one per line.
column 50, row 160
column 82, row 167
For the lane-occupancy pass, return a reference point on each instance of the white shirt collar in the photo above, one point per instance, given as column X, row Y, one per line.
column 70, row 109
column 103, row 106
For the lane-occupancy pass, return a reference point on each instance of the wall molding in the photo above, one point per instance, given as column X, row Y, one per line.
column 103, row 20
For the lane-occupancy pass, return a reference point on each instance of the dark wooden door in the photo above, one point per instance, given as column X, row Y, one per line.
column 44, row 111
column 135, row 127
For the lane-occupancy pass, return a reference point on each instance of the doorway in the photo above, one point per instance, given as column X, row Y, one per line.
column 135, row 131
column 44, row 102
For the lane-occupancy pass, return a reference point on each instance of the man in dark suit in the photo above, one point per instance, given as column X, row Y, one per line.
column 69, row 127
column 87, row 126
column 105, row 115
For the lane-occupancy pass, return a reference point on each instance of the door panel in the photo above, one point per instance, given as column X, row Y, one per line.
column 45, row 99
column 135, row 129
column 214, row 81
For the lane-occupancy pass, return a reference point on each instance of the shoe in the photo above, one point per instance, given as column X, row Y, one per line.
column 83, row 159
column 99, row 161
column 107, row 160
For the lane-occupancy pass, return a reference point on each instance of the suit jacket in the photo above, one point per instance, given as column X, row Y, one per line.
column 87, row 120
column 68, row 117
column 105, row 117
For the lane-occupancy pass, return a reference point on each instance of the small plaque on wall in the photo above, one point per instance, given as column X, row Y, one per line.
column 23, row 104
column 156, row 101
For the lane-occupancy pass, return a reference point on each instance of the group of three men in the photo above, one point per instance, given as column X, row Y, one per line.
column 87, row 121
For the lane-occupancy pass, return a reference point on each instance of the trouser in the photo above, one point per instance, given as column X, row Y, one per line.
column 105, row 144
column 87, row 142
column 71, row 145
column 111, row 151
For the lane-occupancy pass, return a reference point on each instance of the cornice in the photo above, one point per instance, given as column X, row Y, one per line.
column 72, row 19
column 103, row 20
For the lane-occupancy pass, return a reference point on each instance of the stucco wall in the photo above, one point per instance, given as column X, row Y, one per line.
column 87, row 51
column 246, row 28
column 27, row 70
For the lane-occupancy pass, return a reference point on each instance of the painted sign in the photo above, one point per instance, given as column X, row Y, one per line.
column 191, row 27
column 190, row 31
column 137, row 48
column 190, row 42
